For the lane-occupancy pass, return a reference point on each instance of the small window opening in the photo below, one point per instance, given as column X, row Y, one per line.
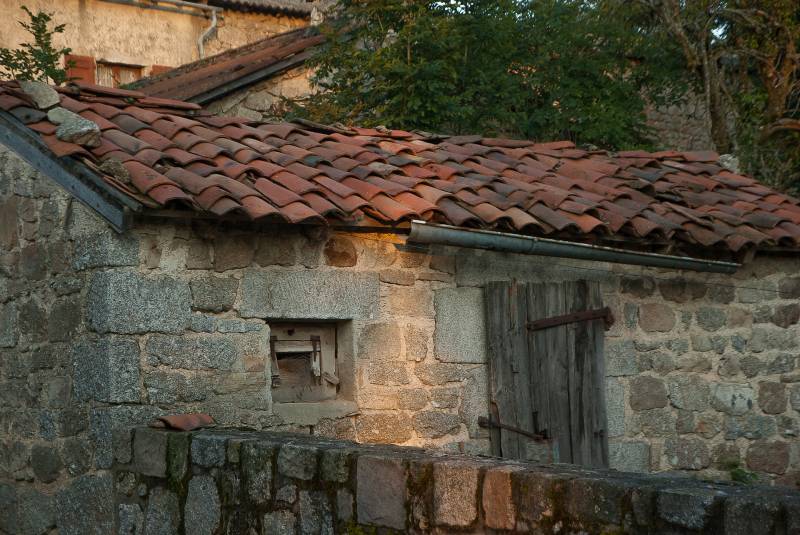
column 117, row 74
column 304, row 363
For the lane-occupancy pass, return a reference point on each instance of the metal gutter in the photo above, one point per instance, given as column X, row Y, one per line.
column 83, row 183
column 168, row 9
column 430, row 233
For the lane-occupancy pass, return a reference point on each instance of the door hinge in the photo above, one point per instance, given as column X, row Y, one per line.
column 574, row 317
column 494, row 424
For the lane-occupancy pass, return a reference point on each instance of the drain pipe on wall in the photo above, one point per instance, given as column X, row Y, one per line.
column 213, row 10
column 433, row 234
column 203, row 7
column 202, row 39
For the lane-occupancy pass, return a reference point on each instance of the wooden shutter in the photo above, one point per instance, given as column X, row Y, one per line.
column 83, row 68
column 550, row 379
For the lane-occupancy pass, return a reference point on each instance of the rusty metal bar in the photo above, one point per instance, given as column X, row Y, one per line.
column 585, row 315
column 493, row 424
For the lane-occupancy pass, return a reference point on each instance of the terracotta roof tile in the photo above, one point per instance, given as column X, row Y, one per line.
column 184, row 158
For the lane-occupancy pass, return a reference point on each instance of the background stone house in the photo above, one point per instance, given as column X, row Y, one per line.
column 245, row 251
column 250, row 81
column 118, row 42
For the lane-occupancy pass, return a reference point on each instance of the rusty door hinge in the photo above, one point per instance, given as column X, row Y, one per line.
column 585, row 315
column 494, row 424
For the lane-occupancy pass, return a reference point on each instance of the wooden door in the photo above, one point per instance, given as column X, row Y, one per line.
column 550, row 379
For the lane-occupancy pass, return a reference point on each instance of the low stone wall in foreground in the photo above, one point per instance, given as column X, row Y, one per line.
column 242, row 482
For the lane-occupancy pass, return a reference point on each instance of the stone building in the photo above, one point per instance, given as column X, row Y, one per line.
column 252, row 81
column 159, row 259
column 116, row 42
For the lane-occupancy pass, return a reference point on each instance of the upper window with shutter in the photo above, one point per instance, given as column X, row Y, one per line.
column 80, row 68
column 117, row 74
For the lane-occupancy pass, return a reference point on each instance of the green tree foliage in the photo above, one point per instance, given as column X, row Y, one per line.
column 39, row 60
column 544, row 69
column 744, row 57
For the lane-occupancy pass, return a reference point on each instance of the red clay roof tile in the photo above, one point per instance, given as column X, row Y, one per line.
column 179, row 156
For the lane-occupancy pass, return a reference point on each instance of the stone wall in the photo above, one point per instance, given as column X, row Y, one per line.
column 268, row 99
column 680, row 126
column 227, row 481
column 99, row 332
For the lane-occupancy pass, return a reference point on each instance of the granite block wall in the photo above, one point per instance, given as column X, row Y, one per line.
column 227, row 481
column 99, row 332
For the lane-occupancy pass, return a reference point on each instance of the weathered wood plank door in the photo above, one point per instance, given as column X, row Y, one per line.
column 550, row 379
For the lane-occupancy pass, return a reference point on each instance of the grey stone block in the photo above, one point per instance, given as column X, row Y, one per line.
column 150, row 452
column 278, row 523
column 455, row 494
column 384, row 428
column 752, row 426
column 335, row 465
column 393, row 373
column 309, row 294
column 460, row 334
column 131, row 519
column 647, row 393
column 745, row 516
column 732, row 398
column 297, row 461
column 8, row 507
column 202, row 509
column 9, row 333
column 689, row 392
column 286, row 494
column 106, row 249
column 36, row 513
column 72, row 128
column 209, row 450
column 711, row 319
column 46, row 462
column 316, row 515
column 196, row 352
column 381, row 492
column 214, row 294
column 41, row 93
column 475, row 401
column 170, row 387
column 380, row 342
column 687, row 453
column 256, row 461
column 629, row 456
column 163, row 515
column 344, row 505
column 620, row 358
column 76, row 454
column 688, row 508
column 598, row 501
column 104, row 421
column 436, row 424
column 615, row 407
column 106, row 369
column 86, row 506
column 127, row 302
